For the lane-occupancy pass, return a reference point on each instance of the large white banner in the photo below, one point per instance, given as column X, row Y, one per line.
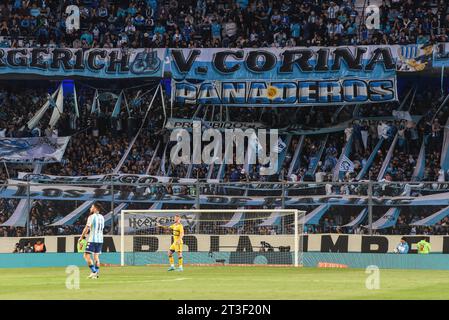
column 118, row 178
column 18, row 189
column 36, row 149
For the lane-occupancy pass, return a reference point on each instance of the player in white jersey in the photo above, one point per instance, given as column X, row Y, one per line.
column 94, row 226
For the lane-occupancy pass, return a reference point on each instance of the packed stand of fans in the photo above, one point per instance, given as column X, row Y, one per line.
column 98, row 141
column 209, row 23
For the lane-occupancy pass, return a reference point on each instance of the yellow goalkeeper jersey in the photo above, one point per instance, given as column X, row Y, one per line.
column 177, row 229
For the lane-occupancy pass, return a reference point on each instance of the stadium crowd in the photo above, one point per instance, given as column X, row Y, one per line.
column 99, row 140
column 222, row 23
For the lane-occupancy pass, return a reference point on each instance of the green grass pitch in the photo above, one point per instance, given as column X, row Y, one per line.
column 223, row 282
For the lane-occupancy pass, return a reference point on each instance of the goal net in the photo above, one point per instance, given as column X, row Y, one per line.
column 214, row 236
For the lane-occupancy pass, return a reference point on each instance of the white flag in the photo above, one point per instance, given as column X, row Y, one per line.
column 281, row 146
column 346, row 164
column 402, row 115
column 254, row 144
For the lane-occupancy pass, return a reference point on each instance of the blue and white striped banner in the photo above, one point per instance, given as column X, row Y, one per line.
column 432, row 219
column 387, row 220
column 358, row 220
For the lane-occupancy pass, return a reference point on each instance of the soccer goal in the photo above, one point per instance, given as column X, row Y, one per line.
column 214, row 236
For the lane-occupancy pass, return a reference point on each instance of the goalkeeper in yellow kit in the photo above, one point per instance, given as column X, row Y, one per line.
column 178, row 234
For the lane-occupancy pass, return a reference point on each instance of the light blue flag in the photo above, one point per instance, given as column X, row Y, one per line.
column 117, row 210
column 370, row 160
column 432, row 219
column 117, row 106
column 358, row 220
column 236, row 220
column 418, row 173
column 315, row 216
column 273, row 220
column 95, row 104
column 387, row 220
column 444, row 161
column 75, row 100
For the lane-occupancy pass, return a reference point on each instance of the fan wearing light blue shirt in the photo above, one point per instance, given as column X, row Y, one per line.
column 94, row 227
column 402, row 247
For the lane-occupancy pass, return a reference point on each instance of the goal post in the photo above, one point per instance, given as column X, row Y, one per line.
column 214, row 236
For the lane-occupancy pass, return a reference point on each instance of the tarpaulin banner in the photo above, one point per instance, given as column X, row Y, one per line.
column 118, row 178
column 177, row 123
column 18, row 189
column 32, row 150
column 290, row 76
column 364, row 62
column 311, row 63
column 296, row 129
column 288, row 93
column 93, row 63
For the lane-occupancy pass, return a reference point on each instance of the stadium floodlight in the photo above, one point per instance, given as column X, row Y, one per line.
column 214, row 236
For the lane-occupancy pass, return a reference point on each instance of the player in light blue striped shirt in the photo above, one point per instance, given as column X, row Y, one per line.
column 94, row 226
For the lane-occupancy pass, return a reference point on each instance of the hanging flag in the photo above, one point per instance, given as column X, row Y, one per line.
column 117, row 106
column 273, row 220
column 163, row 170
column 387, row 160
column 117, row 211
column 58, row 108
column 387, row 220
column 358, row 220
column 346, row 165
column 95, row 104
column 126, row 101
column 444, row 161
column 402, row 115
column 420, row 166
column 314, row 216
column 280, row 146
column 32, row 123
column 432, row 219
column 236, row 220
column 136, row 102
column 254, row 144
column 337, row 173
column 75, row 100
